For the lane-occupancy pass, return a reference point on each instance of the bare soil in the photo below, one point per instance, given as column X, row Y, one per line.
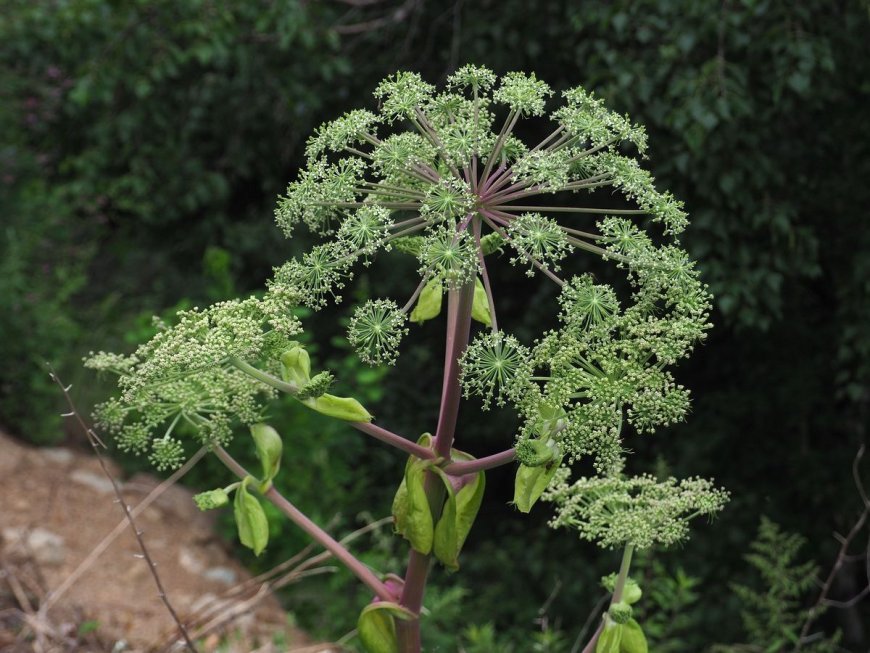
column 57, row 505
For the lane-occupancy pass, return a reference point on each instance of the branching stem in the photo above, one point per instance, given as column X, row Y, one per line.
column 313, row 530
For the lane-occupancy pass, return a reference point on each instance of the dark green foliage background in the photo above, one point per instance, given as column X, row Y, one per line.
column 144, row 143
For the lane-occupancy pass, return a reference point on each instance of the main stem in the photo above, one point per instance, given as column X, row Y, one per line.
column 618, row 589
column 458, row 326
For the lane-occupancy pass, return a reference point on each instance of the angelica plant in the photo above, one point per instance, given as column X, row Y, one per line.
column 445, row 177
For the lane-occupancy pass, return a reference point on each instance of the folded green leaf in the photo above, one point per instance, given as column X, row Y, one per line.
column 480, row 305
column 345, row 408
column 250, row 520
column 296, row 365
column 412, row 517
column 376, row 626
column 269, row 448
column 610, row 639
column 531, row 482
column 457, row 516
column 429, row 302
column 418, row 527
column 633, row 639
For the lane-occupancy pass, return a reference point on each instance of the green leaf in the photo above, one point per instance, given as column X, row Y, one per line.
column 429, row 302
column 250, row 520
column 296, row 366
column 412, row 516
column 418, row 524
column 480, row 306
column 610, row 638
column 376, row 626
column 457, row 516
column 531, row 482
column 633, row 639
column 269, row 447
column 345, row 408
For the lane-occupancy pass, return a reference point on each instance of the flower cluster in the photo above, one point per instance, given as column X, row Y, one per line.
column 376, row 330
column 444, row 177
column 438, row 165
column 641, row 511
column 183, row 379
column 496, row 366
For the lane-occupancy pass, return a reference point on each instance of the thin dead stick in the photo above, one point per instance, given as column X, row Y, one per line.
column 217, row 615
column 823, row 600
column 98, row 550
column 589, row 620
column 96, row 443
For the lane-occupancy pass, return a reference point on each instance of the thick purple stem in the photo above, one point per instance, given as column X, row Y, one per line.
column 481, row 464
column 458, row 327
column 393, row 439
column 316, row 533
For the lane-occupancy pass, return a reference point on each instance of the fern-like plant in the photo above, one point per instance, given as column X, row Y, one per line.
column 774, row 616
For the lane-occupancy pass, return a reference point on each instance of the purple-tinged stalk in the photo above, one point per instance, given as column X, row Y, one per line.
column 314, row 531
column 458, row 328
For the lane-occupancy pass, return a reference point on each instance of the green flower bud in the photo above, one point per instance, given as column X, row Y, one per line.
column 631, row 593
column 491, row 243
column 534, row 453
column 620, row 612
column 316, row 387
column 211, row 499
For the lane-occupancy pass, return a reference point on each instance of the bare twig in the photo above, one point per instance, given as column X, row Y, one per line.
column 392, row 18
column 96, row 443
column 823, row 601
column 249, row 593
column 588, row 623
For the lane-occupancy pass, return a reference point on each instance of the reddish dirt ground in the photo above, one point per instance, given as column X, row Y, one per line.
column 57, row 505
